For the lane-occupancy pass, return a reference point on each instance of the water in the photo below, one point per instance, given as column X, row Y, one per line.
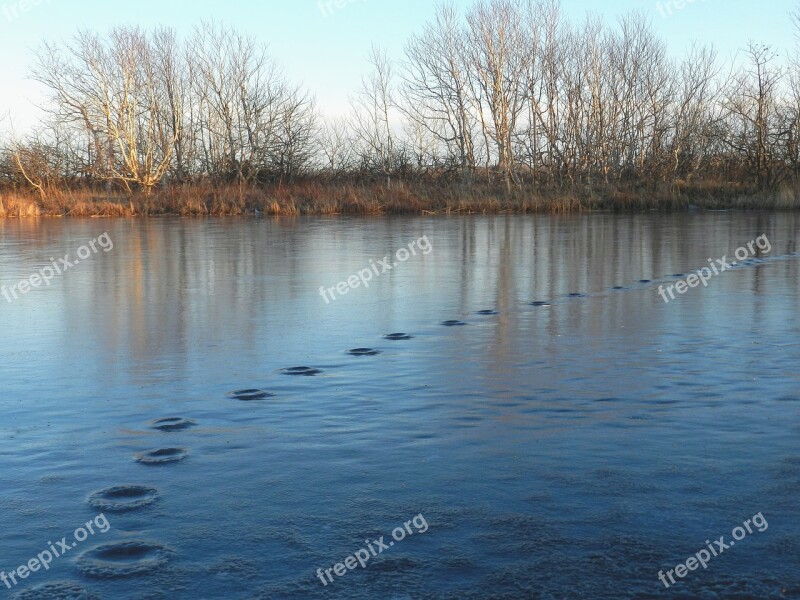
column 562, row 451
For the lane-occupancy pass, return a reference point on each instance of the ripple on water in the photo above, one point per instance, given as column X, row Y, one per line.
column 59, row 590
column 123, row 559
column 363, row 352
column 302, row 371
column 487, row 312
column 124, row 498
column 172, row 424
column 161, row 456
column 397, row 336
column 249, row 394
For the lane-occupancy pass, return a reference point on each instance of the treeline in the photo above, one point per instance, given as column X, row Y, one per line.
column 508, row 95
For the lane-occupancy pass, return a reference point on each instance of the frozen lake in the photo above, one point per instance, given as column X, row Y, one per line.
column 570, row 449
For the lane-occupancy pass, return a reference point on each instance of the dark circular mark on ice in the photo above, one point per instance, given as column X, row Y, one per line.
column 645, row 281
column 172, row 424
column 124, row 498
column 540, row 303
column 363, row 352
column 576, row 295
column 618, row 287
column 453, row 323
column 487, row 313
column 677, row 275
column 123, row 559
column 59, row 590
column 248, row 395
column 397, row 336
column 162, row 456
column 306, row 371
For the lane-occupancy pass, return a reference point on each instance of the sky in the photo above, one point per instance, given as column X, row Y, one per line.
column 324, row 43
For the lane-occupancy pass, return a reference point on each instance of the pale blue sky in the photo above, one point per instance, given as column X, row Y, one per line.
column 327, row 53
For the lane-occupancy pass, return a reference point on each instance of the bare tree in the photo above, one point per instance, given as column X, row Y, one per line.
column 751, row 106
column 335, row 147
column 372, row 118
column 693, row 111
column 435, row 91
column 496, row 55
column 295, row 135
column 504, row 91
column 111, row 87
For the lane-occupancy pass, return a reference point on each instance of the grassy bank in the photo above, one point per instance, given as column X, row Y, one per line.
column 327, row 198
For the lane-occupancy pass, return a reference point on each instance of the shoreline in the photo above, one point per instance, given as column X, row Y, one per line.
column 400, row 198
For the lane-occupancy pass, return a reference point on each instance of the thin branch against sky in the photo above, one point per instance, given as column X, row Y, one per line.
column 328, row 49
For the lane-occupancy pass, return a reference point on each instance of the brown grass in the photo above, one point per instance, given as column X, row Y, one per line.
column 18, row 206
column 336, row 198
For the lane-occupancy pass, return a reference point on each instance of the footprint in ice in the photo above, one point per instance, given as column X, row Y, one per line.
column 172, row 424
column 249, row 395
column 162, row 456
column 453, row 323
column 123, row 559
column 363, row 352
column 124, row 498
column 303, row 371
